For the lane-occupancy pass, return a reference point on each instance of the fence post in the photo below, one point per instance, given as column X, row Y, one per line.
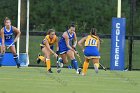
column 131, row 33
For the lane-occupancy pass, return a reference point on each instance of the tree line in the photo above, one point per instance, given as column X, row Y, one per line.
column 58, row 14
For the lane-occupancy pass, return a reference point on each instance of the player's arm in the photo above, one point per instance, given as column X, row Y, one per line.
column 17, row 33
column 81, row 42
column 3, row 40
column 48, row 47
column 75, row 41
column 56, row 43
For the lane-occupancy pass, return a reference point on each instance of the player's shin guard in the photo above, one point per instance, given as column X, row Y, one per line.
column 85, row 67
column 41, row 57
column 48, row 64
column 96, row 66
column 1, row 58
column 17, row 61
column 74, row 64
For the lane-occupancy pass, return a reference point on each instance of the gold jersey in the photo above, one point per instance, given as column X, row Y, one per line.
column 51, row 41
column 91, row 40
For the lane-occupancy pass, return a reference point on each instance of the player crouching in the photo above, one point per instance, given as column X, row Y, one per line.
column 47, row 49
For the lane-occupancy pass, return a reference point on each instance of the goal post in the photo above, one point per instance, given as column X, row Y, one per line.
column 27, row 32
column 119, row 9
column 23, row 57
column 8, row 59
column 18, row 23
column 117, row 57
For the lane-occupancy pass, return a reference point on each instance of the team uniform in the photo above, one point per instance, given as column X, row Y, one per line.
column 64, row 49
column 50, row 41
column 8, row 35
column 62, row 43
column 91, row 50
column 9, row 39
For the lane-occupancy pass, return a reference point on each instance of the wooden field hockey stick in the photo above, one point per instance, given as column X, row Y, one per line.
column 79, row 58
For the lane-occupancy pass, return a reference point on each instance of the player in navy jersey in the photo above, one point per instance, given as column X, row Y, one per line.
column 65, row 49
column 7, row 34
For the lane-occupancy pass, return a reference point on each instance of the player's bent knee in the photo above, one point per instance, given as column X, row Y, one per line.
column 65, row 61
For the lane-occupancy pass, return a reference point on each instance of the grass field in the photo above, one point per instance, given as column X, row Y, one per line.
column 36, row 80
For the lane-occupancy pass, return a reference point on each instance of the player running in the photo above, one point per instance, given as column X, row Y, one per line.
column 7, row 35
column 65, row 49
column 47, row 46
column 91, row 50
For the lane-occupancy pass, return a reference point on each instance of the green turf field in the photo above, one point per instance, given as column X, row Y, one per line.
column 36, row 80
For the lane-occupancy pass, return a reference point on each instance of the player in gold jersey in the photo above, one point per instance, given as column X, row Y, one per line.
column 47, row 48
column 91, row 50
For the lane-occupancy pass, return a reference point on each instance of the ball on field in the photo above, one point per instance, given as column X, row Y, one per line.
column 58, row 70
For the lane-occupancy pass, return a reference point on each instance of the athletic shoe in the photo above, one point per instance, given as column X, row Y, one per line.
column 38, row 60
column 78, row 71
column 96, row 68
column 18, row 65
column 50, row 71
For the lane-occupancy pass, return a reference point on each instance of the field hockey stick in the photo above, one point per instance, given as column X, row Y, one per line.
column 3, row 52
column 57, row 65
column 79, row 58
column 10, row 45
column 102, row 66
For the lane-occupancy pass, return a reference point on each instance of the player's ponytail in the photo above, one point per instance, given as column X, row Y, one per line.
column 50, row 31
column 72, row 24
column 6, row 18
column 93, row 31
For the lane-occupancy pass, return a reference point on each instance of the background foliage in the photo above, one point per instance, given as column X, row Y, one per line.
column 45, row 14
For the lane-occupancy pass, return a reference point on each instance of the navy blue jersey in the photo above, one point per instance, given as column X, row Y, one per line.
column 62, row 43
column 8, row 34
column 71, row 37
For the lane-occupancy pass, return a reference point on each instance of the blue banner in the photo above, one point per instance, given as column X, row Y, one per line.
column 8, row 60
column 118, row 44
